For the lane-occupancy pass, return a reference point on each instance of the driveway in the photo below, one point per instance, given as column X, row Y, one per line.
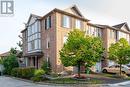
column 10, row 82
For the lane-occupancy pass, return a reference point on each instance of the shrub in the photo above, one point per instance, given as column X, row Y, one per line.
column 39, row 72
column 9, row 63
column 38, row 75
column 46, row 67
column 27, row 72
column 36, row 79
column 14, row 72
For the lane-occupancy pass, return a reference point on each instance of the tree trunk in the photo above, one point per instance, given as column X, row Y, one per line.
column 79, row 69
column 120, row 69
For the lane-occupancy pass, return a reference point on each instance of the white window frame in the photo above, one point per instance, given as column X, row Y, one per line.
column 77, row 24
column 66, row 21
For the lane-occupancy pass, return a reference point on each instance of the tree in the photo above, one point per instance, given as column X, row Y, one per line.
column 1, row 61
column 10, row 61
column 20, row 45
column 120, row 52
column 13, row 51
column 81, row 49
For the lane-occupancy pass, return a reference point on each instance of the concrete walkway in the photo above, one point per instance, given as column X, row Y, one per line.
column 10, row 82
column 121, row 84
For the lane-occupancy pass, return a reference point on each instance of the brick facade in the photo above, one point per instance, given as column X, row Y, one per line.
column 55, row 36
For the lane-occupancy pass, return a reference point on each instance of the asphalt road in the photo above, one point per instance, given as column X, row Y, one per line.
column 11, row 82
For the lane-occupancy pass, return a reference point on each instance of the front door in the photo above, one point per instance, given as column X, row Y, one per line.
column 35, row 62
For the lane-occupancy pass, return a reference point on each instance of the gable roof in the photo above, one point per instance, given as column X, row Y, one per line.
column 8, row 53
column 111, row 27
column 5, row 54
column 74, row 10
column 119, row 26
column 33, row 15
column 64, row 12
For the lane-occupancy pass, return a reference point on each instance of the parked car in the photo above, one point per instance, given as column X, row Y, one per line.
column 116, row 69
column 128, row 65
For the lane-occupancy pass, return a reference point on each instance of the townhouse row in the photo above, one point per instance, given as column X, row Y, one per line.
column 43, row 37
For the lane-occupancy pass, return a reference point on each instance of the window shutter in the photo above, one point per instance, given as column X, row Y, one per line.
column 61, row 20
column 49, row 21
column 45, row 24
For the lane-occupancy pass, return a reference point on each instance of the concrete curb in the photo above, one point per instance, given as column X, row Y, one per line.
column 52, row 84
column 73, row 85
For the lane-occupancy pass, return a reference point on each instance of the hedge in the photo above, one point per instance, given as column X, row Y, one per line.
column 27, row 72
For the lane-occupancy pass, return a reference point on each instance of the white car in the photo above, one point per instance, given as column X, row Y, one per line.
column 116, row 69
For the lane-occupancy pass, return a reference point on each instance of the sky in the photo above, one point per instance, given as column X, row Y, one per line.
column 108, row 12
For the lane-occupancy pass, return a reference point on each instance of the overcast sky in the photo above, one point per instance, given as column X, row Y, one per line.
column 108, row 12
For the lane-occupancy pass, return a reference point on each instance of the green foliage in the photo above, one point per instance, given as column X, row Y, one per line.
column 80, row 49
column 39, row 72
column 20, row 44
column 1, row 61
column 38, row 75
column 36, row 79
column 9, row 63
column 120, row 52
column 13, row 51
column 27, row 72
column 46, row 67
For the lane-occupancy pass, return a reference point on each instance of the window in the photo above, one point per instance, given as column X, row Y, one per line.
column 77, row 24
column 65, row 39
column 66, row 21
column 32, row 45
column 34, row 37
column 48, row 61
column 112, row 34
column 48, row 22
column 48, row 43
column 99, row 32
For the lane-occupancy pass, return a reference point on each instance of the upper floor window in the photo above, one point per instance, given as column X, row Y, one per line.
column 66, row 21
column 99, row 32
column 77, row 24
column 33, row 28
column 94, row 31
column 113, row 34
column 48, row 22
column 34, row 37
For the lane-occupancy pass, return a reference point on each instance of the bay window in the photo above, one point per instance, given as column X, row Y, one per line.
column 34, row 37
